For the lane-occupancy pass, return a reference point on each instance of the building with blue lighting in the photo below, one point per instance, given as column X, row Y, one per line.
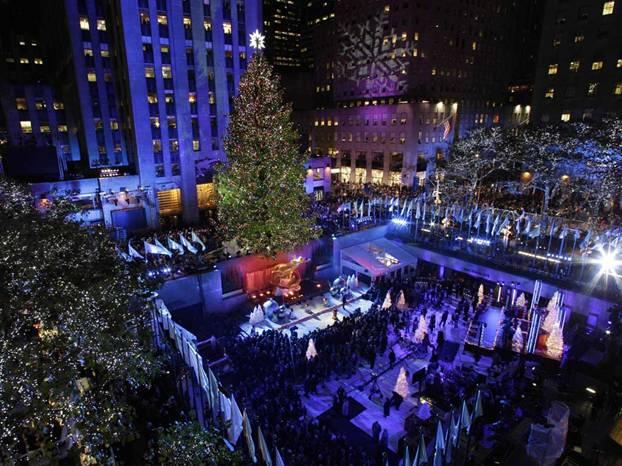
column 149, row 85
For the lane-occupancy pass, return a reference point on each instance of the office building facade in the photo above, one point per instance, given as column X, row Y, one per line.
column 405, row 80
column 579, row 72
column 151, row 83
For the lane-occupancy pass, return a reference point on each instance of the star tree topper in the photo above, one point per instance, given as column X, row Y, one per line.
column 258, row 40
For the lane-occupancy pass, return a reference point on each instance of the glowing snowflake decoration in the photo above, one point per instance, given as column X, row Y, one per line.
column 258, row 40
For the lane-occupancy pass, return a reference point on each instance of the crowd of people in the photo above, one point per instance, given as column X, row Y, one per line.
column 270, row 371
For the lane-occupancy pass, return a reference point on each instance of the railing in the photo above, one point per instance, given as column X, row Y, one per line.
column 225, row 413
column 556, row 248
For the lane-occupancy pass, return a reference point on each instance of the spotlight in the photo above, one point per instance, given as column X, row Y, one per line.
column 608, row 262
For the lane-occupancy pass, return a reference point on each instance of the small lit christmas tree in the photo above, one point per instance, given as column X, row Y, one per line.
column 422, row 330
column 262, row 202
column 311, row 351
column 257, row 316
column 480, row 294
column 552, row 317
column 517, row 340
column 555, row 342
column 401, row 384
column 387, row 301
column 401, row 301
column 521, row 301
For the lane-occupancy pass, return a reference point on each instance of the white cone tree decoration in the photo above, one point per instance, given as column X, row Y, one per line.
column 552, row 317
column 256, row 316
column 422, row 330
column 521, row 301
column 387, row 301
column 311, row 351
column 555, row 342
column 517, row 340
column 480, row 294
column 401, row 384
column 401, row 301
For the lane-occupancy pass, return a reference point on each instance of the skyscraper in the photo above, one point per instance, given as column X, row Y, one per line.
column 151, row 84
column 579, row 72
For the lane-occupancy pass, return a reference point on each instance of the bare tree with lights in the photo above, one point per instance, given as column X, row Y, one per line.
column 475, row 160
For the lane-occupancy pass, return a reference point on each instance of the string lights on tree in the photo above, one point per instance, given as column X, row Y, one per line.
column 262, row 202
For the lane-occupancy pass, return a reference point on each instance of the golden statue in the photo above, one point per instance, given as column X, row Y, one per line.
column 285, row 277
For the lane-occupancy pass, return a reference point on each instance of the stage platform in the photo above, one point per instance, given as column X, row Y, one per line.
column 314, row 314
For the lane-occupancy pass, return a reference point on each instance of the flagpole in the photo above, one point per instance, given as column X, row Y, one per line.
column 561, row 247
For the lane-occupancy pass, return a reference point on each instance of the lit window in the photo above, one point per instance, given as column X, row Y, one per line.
column 169, row 99
column 38, row 61
column 433, row 71
column 592, row 88
column 565, row 117
column 88, row 52
column 196, row 145
column 192, row 97
column 152, row 98
column 416, row 36
column 40, row 104
column 553, row 69
column 579, row 38
column 84, row 23
column 26, row 126
column 44, row 128
column 164, row 49
column 404, row 36
column 101, row 24
column 549, row 94
column 187, row 22
column 556, row 42
column 162, row 20
column 619, row 63
column 157, row 145
column 166, row 72
column 105, row 53
column 574, row 65
column 173, row 145
column 59, row 105
column 617, row 90
column 91, row 76
column 62, row 128
column 207, row 24
column 21, row 104
column 608, row 8
column 597, row 65
column 149, row 72
column 114, row 124
column 24, row 61
column 226, row 26
column 155, row 122
column 474, row 46
column 387, row 8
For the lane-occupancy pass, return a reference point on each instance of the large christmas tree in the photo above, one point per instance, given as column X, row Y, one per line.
column 262, row 202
